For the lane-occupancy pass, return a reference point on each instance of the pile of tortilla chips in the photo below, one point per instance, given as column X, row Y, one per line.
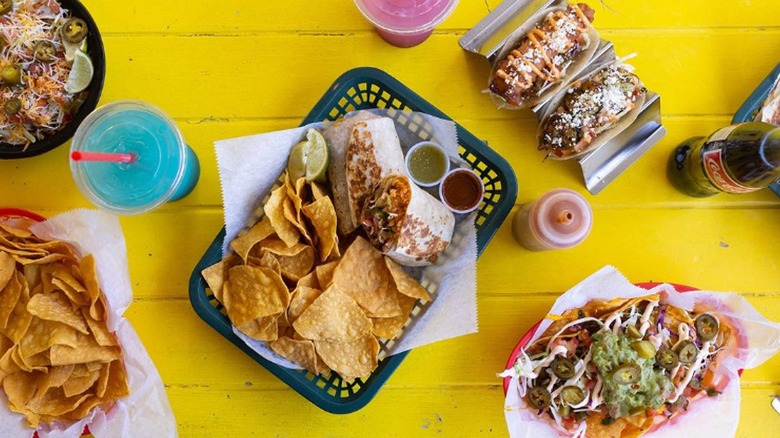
column 57, row 358
column 289, row 284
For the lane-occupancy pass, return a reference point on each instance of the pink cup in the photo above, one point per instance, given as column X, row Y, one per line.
column 405, row 23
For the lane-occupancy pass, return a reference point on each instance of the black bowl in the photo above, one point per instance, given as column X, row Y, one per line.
column 97, row 54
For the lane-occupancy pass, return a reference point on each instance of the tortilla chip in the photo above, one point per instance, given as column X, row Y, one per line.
column 300, row 300
column 263, row 329
column 53, row 379
column 99, row 330
column 294, row 216
column 66, row 280
column 388, row 328
column 244, row 243
column 7, row 268
column 333, row 316
column 405, row 283
column 253, row 293
column 57, row 307
column 41, row 334
column 17, row 232
column 309, row 280
column 265, row 260
column 279, row 248
column 274, row 211
column 363, row 274
column 318, row 191
column 20, row 318
column 300, row 352
column 297, row 266
column 77, row 384
column 9, row 296
column 325, row 273
column 88, row 350
column 88, row 271
column 116, row 386
column 216, row 273
column 351, row 359
column 322, row 216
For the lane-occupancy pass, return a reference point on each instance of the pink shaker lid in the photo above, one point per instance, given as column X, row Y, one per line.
column 563, row 218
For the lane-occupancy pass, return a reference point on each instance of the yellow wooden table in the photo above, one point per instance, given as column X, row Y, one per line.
column 236, row 67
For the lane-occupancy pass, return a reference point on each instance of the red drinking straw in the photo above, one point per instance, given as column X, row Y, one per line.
column 102, row 156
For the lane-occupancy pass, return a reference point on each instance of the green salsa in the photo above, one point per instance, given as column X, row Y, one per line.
column 427, row 164
column 652, row 388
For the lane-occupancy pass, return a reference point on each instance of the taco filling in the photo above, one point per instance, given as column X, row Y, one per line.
column 622, row 367
column 590, row 108
column 385, row 212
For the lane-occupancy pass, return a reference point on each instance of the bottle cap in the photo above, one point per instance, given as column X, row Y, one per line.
column 561, row 218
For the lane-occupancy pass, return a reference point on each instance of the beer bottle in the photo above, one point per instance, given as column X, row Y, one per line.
column 736, row 159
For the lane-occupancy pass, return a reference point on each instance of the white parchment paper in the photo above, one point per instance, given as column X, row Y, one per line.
column 710, row 416
column 250, row 166
column 146, row 411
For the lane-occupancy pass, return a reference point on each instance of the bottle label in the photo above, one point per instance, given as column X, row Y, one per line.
column 716, row 172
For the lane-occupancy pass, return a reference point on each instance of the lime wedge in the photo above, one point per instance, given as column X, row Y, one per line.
column 296, row 164
column 80, row 73
column 309, row 158
column 317, row 160
column 72, row 48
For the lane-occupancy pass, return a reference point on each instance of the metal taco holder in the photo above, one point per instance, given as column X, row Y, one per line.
column 606, row 163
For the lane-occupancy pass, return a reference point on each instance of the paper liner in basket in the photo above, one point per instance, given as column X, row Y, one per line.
column 249, row 167
column 146, row 411
column 708, row 416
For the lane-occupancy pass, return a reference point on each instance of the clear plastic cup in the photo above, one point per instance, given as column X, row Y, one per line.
column 165, row 168
column 405, row 23
column 559, row 219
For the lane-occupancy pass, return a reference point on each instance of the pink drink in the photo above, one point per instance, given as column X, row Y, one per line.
column 561, row 218
column 405, row 23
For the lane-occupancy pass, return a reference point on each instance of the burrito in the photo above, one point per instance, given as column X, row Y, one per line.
column 359, row 161
column 406, row 223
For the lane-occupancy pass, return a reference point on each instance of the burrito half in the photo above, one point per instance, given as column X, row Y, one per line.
column 406, row 223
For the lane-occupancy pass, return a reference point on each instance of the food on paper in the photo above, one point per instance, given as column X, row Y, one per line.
column 58, row 359
column 623, row 367
column 591, row 112
column 314, row 306
column 770, row 110
column 406, row 223
column 362, row 152
column 44, row 70
column 562, row 42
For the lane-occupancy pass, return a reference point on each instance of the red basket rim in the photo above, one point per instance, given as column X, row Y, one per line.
column 19, row 212
column 527, row 336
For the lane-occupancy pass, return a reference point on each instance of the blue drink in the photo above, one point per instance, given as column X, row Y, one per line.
column 165, row 168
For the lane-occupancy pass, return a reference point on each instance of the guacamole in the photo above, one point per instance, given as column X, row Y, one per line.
column 651, row 389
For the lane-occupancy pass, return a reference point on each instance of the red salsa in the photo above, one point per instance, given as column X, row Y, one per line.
column 462, row 190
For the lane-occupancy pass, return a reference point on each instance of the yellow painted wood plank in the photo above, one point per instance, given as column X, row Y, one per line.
column 694, row 71
column 199, row 356
column 45, row 182
column 465, row 412
column 235, row 16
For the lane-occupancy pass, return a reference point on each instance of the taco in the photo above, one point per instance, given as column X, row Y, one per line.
column 406, row 223
column 624, row 367
column 535, row 66
column 591, row 112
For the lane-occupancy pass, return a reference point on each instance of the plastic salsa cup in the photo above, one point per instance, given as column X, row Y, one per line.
column 165, row 167
column 427, row 163
column 462, row 190
column 405, row 23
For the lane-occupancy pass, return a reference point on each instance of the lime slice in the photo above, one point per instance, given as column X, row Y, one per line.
column 309, row 158
column 80, row 73
column 317, row 160
column 72, row 48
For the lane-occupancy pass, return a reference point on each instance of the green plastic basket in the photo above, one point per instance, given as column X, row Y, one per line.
column 365, row 88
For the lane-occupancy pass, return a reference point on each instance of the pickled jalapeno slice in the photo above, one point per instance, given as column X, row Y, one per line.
column 666, row 359
column 627, row 374
column 572, row 395
column 45, row 51
column 687, row 352
column 634, row 332
column 563, row 368
column 6, row 6
column 539, row 397
column 644, row 349
column 12, row 107
column 74, row 30
column 706, row 327
column 11, row 74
